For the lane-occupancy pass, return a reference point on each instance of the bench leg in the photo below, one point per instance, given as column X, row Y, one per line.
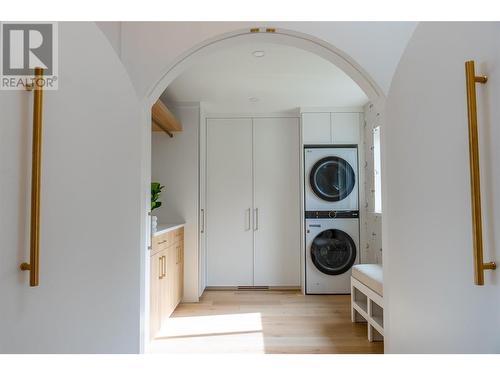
column 353, row 312
column 370, row 332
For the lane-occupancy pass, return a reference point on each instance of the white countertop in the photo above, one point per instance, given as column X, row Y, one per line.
column 164, row 228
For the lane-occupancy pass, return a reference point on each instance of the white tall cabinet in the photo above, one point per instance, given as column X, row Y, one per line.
column 253, row 202
column 229, row 206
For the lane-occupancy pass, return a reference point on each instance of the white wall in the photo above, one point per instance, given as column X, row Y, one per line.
column 175, row 164
column 371, row 223
column 89, row 293
column 113, row 31
column 375, row 46
column 431, row 302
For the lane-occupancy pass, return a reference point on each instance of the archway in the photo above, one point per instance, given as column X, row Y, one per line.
column 190, row 57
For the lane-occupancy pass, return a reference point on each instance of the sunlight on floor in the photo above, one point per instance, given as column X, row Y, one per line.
column 211, row 333
column 263, row 322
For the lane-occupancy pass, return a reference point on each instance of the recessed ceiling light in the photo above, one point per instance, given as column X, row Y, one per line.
column 258, row 53
column 253, row 99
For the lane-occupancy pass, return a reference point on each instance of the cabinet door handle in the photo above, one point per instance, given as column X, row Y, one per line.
column 248, row 219
column 164, row 266
column 160, row 268
column 202, row 220
column 256, row 219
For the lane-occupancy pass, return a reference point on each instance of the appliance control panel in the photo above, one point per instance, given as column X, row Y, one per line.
column 332, row 214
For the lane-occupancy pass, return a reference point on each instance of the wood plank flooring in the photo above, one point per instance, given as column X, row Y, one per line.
column 264, row 322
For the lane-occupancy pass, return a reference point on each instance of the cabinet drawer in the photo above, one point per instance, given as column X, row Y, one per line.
column 161, row 242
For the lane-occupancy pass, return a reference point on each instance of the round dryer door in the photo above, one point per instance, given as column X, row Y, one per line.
column 332, row 179
column 333, row 252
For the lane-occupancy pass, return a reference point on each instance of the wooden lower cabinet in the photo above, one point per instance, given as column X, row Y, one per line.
column 167, row 273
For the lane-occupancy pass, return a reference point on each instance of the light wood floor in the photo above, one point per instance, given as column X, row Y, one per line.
column 264, row 322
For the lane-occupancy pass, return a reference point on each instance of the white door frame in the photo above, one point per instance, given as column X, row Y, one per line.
column 278, row 36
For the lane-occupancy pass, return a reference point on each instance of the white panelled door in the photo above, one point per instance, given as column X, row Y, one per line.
column 253, row 202
column 229, row 202
column 276, row 202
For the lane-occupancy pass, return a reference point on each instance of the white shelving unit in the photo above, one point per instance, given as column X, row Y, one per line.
column 367, row 306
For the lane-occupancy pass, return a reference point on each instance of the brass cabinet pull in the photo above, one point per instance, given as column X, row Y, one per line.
column 160, row 268
column 36, row 158
column 164, row 266
column 477, row 229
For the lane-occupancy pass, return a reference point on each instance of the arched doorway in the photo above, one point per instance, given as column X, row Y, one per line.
column 190, row 57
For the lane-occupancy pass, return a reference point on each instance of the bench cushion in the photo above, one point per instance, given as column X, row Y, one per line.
column 371, row 275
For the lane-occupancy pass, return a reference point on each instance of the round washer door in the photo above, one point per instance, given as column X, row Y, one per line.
column 333, row 252
column 332, row 178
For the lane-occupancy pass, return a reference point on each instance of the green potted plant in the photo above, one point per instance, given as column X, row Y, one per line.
column 156, row 189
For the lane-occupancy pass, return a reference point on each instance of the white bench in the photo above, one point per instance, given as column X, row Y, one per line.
column 367, row 303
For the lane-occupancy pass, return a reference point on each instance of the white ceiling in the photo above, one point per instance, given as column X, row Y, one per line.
column 284, row 79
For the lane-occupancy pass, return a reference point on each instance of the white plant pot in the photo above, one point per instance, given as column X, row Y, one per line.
column 154, row 224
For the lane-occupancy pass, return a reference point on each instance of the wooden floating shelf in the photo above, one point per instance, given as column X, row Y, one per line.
column 164, row 120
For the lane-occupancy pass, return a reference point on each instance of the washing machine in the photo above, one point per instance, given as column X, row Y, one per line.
column 331, row 178
column 332, row 248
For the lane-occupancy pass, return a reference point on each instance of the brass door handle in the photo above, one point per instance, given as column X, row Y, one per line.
column 477, row 229
column 36, row 157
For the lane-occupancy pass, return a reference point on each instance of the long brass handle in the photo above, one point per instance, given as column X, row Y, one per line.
column 477, row 229
column 36, row 158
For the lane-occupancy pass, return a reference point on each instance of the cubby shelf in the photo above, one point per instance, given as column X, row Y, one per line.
column 369, row 305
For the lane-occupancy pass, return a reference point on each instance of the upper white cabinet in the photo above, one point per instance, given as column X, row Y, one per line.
column 330, row 128
column 316, row 128
column 345, row 128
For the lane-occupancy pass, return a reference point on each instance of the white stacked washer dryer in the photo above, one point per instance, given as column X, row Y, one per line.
column 331, row 217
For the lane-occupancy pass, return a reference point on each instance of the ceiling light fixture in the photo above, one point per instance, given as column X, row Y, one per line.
column 258, row 53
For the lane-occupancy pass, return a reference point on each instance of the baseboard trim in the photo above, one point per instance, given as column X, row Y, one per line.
column 254, row 288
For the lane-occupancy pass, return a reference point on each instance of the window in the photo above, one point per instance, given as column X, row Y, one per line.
column 377, row 183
